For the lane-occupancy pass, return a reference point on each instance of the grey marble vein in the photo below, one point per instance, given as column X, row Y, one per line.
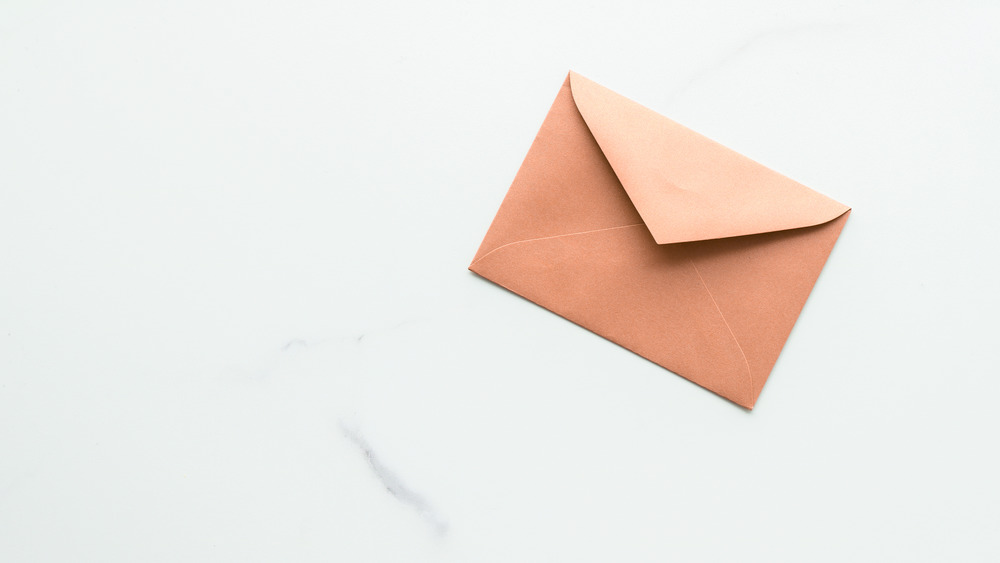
column 392, row 483
column 748, row 44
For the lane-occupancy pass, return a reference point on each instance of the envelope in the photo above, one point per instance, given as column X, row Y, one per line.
column 660, row 240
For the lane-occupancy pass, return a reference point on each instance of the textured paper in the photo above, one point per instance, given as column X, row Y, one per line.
column 660, row 240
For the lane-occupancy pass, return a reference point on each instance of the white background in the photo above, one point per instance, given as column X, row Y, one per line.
column 236, row 322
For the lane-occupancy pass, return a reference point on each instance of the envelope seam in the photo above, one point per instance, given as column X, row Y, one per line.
column 733, row 334
column 483, row 257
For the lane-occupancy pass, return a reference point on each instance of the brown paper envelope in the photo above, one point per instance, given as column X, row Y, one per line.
column 660, row 240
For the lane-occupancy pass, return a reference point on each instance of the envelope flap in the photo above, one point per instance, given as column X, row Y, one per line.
column 687, row 187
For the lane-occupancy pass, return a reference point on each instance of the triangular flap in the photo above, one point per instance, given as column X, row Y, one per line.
column 687, row 187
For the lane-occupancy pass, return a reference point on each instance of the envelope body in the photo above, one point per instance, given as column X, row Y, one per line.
column 660, row 240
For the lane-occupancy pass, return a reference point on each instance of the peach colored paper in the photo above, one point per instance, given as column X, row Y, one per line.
column 660, row 240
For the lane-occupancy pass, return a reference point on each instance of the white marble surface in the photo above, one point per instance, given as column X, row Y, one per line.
column 236, row 323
